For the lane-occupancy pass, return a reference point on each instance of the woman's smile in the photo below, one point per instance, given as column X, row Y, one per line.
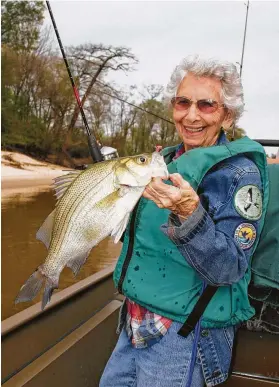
column 194, row 130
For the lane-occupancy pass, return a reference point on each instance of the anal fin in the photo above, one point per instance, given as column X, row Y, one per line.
column 76, row 263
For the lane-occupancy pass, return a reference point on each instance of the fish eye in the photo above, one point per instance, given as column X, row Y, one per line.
column 142, row 159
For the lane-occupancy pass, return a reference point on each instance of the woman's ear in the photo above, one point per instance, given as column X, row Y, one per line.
column 228, row 120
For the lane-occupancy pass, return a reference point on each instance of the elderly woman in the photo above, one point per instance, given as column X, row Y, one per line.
column 185, row 261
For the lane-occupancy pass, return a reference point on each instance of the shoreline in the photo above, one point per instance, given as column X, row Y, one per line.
column 21, row 173
column 12, row 185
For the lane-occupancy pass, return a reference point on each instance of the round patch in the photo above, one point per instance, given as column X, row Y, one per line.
column 245, row 235
column 248, row 202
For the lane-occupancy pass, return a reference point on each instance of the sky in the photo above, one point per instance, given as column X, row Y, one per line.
column 161, row 33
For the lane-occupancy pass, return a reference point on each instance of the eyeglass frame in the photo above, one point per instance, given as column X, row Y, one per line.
column 196, row 103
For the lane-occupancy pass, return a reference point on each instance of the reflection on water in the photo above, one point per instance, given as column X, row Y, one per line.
column 22, row 215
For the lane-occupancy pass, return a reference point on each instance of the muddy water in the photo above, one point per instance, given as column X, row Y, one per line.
column 22, row 215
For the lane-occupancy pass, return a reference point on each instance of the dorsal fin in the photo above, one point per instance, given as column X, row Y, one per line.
column 62, row 183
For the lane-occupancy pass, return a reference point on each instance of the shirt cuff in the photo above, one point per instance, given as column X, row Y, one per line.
column 177, row 230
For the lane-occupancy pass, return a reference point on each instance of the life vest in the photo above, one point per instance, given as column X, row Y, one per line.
column 152, row 272
column 265, row 263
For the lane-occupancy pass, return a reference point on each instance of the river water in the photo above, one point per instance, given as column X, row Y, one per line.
column 22, row 215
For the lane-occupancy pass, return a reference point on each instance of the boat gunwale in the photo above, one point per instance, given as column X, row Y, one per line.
column 11, row 323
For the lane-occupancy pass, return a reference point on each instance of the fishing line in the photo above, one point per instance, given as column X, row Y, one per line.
column 137, row 107
column 92, row 142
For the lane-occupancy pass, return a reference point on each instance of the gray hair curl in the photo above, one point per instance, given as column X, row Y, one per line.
column 226, row 72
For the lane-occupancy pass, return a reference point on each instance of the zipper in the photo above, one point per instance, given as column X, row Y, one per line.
column 129, row 250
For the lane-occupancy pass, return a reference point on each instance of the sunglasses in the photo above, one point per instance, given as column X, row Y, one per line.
column 206, row 106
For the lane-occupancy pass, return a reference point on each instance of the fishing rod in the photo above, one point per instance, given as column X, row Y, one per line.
column 244, row 39
column 92, row 142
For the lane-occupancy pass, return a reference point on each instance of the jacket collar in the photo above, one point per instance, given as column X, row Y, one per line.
column 178, row 150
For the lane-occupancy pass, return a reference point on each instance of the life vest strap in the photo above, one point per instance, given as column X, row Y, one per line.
column 198, row 310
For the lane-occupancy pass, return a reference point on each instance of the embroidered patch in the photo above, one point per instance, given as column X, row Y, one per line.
column 245, row 235
column 248, row 202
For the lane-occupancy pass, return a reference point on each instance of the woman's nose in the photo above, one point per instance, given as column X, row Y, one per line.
column 193, row 113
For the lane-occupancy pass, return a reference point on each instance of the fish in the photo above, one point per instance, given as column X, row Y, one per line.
column 91, row 205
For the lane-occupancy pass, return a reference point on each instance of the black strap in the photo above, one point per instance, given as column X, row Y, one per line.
column 197, row 311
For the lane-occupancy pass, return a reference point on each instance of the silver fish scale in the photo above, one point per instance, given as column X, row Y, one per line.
column 71, row 216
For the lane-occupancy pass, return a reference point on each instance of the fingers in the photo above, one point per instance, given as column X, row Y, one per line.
column 178, row 181
column 158, row 181
column 158, row 187
column 163, row 192
column 179, row 198
column 163, row 195
column 146, row 194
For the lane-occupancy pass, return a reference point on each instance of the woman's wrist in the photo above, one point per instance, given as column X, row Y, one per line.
column 183, row 216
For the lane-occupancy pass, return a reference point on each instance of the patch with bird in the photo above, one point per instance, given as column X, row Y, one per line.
column 245, row 235
column 248, row 202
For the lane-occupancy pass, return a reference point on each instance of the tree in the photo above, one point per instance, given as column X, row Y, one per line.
column 37, row 99
column 91, row 62
column 21, row 23
column 21, row 26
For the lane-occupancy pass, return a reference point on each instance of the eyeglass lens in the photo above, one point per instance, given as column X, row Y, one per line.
column 204, row 105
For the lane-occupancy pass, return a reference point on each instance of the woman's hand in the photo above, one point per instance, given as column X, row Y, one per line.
column 180, row 198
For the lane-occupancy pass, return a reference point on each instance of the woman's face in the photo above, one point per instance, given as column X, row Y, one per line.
column 195, row 128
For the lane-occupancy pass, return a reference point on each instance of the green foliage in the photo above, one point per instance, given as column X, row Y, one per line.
column 21, row 22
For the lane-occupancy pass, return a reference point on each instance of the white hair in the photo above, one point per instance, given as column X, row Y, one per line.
column 226, row 72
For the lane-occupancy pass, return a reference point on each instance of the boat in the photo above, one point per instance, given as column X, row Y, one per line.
column 71, row 340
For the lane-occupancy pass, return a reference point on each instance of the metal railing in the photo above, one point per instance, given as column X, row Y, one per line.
column 268, row 142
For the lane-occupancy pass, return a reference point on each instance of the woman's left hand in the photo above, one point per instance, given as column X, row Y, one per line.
column 180, row 198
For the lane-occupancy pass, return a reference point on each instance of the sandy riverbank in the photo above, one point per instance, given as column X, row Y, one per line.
column 20, row 172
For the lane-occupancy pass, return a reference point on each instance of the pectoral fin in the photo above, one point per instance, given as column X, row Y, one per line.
column 120, row 228
column 45, row 231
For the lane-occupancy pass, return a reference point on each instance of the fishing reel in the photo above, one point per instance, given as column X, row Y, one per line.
column 109, row 153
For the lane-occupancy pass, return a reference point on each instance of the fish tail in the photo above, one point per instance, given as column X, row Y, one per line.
column 49, row 288
column 33, row 285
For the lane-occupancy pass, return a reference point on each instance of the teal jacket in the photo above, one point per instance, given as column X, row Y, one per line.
column 154, row 271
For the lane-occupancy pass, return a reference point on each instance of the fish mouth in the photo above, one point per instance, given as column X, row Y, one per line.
column 159, row 167
column 166, row 173
column 160, row 172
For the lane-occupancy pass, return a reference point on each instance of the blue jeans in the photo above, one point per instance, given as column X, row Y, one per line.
column 164, row 364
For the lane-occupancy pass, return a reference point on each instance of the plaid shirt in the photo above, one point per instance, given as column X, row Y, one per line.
column 142, row 326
